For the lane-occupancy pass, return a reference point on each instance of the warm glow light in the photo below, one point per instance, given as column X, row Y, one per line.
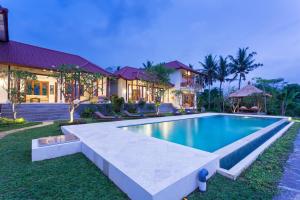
column 148, row 130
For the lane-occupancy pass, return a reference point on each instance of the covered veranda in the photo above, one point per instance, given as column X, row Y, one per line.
column 249, row 99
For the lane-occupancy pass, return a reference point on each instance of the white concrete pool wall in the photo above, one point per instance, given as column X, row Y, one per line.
column 242, row 165
column 141, row 166
column 107, row 146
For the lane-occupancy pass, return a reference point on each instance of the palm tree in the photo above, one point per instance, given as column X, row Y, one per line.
column 242, row 64
column 148, row 65
column 209, row 68
column 222, row 72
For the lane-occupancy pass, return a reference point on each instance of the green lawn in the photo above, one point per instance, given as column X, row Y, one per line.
column 75, row 177
column 260, row 180
column 8, row 127
column 70, row 177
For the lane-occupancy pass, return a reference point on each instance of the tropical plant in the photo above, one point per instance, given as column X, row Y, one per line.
column 285, row 98
column 242, row 64
column 117, row 103
column 69, row 76
column 16, row 89
column 209, row 68
column 178, row 94
column 160, row 75
column 222, row 72
column 141, row 105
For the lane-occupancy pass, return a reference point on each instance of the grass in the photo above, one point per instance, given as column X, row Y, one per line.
column 8, row 127
column 260, row 180
column 75, row 177
column 69, row 177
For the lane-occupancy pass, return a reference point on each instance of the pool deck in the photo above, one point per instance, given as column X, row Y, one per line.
column 143, row 167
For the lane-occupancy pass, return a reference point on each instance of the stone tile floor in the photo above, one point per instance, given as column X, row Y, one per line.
column 290, row 182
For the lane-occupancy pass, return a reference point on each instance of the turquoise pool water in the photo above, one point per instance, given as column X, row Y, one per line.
column 205, row 133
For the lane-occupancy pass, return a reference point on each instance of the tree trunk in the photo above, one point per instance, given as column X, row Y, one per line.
column 72, row 109
column 240, row 80
column 209, row 97
column 221, row 98
column 282, row 108
column 13, row 106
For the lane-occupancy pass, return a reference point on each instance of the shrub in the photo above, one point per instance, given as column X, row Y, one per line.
column 130, row 107
column 20, row 120
column 117, row 103
column 106, row 109
column 6, row 121
column 87, row 112
column 150, row 107
column 76, row 121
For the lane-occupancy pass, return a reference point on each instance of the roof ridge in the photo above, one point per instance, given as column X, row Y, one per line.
column 35, row 46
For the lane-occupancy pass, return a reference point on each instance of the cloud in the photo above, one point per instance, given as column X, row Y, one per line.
column 129, row 32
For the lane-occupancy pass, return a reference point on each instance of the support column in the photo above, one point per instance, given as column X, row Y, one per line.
column 102, row 89
column 61, row 87
column 107, row 87
column 8, row 81
column 126, row 91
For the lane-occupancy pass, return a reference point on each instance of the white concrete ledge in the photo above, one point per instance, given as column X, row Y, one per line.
column 237, row 169
column 143, row 167
column 53, row 151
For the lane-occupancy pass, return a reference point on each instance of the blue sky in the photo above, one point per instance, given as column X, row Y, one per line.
column 129, row 32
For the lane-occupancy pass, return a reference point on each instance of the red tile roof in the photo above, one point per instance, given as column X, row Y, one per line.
column 132, row 73
column 20, row 54
column 178, row 65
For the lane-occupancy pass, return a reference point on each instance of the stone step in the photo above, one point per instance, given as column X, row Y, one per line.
column 39, row 112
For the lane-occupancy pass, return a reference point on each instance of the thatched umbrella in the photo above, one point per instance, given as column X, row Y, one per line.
column 247, row 91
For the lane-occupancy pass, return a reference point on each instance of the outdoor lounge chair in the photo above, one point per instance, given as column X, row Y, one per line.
column 133, row 115
column 244, row 109
column 254, row 109
column 99, row 115
column 190, row 111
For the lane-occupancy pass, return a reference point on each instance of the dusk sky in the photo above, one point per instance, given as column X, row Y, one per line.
column 130, row 32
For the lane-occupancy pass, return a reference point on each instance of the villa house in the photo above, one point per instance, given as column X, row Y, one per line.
column 184, row 79
column 134, row 84
column 42, row 62
column 131, row 83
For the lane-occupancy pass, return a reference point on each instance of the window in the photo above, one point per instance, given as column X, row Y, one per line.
column 37, row 88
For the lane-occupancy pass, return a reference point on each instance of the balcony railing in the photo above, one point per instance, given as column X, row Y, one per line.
column 190, row 85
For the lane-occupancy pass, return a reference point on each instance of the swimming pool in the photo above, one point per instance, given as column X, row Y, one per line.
column 205, row 133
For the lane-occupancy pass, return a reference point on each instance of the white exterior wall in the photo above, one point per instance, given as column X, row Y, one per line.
column 3, row 85
column 122, row 88
column 175, row 79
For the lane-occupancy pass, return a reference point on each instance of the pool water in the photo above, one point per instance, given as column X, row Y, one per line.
column 205, row 133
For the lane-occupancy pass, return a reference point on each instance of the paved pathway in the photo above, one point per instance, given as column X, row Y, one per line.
column 5, row 133
column 290, row 182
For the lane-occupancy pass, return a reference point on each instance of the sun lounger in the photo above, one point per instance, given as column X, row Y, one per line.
column 244, row 109
column 254, row 109
column 102, row 116
column 128, row 114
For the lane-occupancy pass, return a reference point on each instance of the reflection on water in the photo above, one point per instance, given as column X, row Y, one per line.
column 205, row 133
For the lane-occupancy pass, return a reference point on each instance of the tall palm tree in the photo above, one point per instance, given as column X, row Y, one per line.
column 222, row 72
column 148, row 65
column 242, row 64
column 209, row 68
